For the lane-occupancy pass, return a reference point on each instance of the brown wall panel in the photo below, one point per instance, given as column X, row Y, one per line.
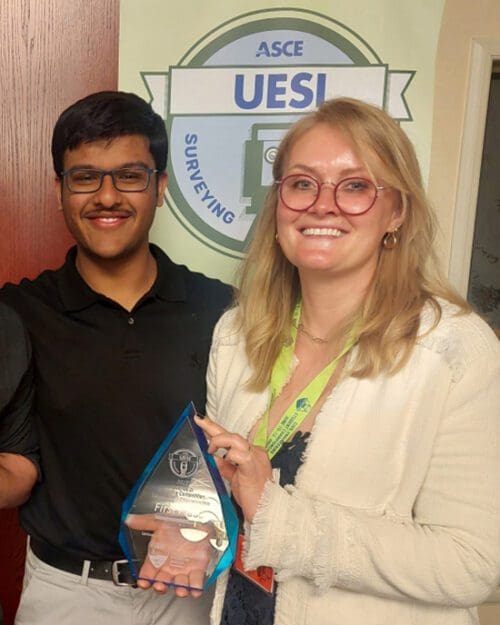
column 52, row 52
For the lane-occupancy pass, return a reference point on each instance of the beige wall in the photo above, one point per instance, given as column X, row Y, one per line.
column 489, row 614
column 462, row 22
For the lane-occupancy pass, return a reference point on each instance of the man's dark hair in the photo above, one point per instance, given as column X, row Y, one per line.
column 107, row 115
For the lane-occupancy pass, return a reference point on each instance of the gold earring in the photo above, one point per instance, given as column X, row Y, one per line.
column 390, row 239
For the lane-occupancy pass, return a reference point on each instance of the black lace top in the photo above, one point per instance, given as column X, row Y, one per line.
column 245, row 603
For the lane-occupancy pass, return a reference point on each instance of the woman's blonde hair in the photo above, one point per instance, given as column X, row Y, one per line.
column 407, row 276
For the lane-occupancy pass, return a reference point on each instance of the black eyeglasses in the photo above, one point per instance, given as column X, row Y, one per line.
column 353, row 196
column 125, row 179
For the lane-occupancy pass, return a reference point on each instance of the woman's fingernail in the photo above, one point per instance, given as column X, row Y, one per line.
column 199, row 416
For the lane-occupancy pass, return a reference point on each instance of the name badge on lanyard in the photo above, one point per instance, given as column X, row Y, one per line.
column 263, row 576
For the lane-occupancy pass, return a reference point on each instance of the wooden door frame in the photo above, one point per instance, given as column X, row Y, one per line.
column 484, row 51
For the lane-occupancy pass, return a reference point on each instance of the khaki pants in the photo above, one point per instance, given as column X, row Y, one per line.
column 54, row 597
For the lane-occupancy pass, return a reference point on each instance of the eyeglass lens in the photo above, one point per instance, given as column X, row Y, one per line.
column 124, row 179
column 352, row 195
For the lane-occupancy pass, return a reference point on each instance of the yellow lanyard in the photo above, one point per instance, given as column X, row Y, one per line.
column 302, row 405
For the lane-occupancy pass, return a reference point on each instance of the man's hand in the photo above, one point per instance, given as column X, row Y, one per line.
column 177, row 555
column 17, row 477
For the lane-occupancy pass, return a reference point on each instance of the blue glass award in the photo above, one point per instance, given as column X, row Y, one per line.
column 178, row 523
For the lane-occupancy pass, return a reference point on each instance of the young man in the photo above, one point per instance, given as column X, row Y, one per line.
column 18, row 448
column 120, row 337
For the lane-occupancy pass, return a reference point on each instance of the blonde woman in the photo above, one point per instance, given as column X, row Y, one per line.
column 352, row 367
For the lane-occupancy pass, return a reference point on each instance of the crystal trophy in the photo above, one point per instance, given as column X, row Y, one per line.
column 178, row 523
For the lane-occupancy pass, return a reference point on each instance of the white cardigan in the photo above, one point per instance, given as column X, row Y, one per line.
column 394, row 518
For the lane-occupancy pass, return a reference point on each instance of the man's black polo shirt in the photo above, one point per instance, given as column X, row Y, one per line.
column 17, row 435
column 109, row 385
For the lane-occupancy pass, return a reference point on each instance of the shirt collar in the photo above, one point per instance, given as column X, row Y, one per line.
column 76, row 294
